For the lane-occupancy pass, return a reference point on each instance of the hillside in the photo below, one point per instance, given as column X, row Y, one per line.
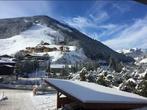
column 19, row 33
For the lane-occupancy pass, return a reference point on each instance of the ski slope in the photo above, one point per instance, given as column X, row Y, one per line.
column 33, row 36
column 29, row 38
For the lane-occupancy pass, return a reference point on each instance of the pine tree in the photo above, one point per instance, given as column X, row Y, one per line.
column 83, row 72
column 142, row 88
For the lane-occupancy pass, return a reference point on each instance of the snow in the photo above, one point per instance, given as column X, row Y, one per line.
column 33, row 36
column 29, row 38
column 24, row 100
column 3, row 98
column 143, row 60
column 9, row 66
column 55, row 55
column 71, row 48
column 131, row 80
column 75, row 76
column 72, row 57
column 45, row 102
column 6, row 61
column 142, row 75
column 64, row 28
column 26, row 21
column 91, row 92
column 124, row 51
column 59, row 66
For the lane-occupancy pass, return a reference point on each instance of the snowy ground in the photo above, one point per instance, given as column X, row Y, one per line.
column 24, row 100
column 143, row 60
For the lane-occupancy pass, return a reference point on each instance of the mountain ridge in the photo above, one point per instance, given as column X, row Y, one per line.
column 93, row 49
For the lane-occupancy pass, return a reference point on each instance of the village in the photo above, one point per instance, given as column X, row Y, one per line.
column 32, row 76
column 9, row 64
column 29, row 68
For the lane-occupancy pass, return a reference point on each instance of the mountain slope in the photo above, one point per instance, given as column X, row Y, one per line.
column 31, row 37
column 55, row 33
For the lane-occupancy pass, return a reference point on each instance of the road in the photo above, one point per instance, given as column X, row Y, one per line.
column 17, row 100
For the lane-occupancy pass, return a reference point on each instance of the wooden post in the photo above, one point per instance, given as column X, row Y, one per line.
column 58, row 99
column 61, row 101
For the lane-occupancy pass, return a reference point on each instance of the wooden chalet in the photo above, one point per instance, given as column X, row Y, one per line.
column 91, row 96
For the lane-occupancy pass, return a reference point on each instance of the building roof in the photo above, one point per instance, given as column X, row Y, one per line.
column 59, row 66
column 87, row 92
column 7, row 61
column 6, row 56
column 10, row 66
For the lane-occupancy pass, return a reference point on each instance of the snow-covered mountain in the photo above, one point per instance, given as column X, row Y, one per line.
column 133, row 52
column 36, row 34
column 18, row 33
column 140, row 55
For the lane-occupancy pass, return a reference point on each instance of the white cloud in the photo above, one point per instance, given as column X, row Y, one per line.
column 93, row 35
column 133, row 36
column 111, row 30
column 122, row 6
column 97, row 12
column 119, row 35
column 108, row 26
column 84, row 24
column 80, row 22
column 99, row 17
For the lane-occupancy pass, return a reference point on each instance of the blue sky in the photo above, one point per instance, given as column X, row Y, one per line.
column 117, row 23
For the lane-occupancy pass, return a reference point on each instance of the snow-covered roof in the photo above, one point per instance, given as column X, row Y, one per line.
column 6, row 61
column 59, row 66
column 93, row 93
column 10, row 66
